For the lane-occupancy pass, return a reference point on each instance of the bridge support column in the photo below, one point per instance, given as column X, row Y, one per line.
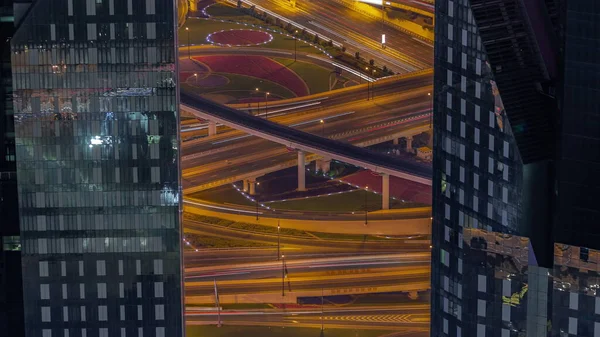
column 252, row 186
column 212, row 128
column 323, row 164
column 245, row 185
column 193, row 5
column 409, row 147
column 385, row 191
column 301, row 171
column 413, row 295
column 395, row 141
column 326, row 165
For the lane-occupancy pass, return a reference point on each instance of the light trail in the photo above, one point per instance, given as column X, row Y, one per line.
column 220, row 207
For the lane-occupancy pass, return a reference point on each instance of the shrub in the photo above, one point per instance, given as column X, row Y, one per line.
column 357, row 55
column 343, row 49
column 372, row 62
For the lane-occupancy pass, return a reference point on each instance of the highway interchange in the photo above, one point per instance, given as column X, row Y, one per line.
column 313, row 267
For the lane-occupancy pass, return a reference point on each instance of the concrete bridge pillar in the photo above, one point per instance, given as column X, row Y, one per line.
column 409, row 147
column 385, row 188
column 252, row 186
column 193, row 5
column 395, row 141
column 323, row 164
column 212, row 128
column 326, row 165
column 301, row 171
column 413, row 295
column 245, row 185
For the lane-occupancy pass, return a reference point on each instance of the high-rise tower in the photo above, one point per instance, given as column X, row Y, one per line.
column 515, row 249
column 96, row 122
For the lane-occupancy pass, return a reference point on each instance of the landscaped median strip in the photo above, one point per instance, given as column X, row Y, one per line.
column 284, row 232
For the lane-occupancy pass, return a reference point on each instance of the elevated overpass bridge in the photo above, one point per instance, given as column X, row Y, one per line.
column 304, row 143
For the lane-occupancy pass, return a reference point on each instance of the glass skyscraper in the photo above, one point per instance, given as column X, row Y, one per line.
column 476, row 188
column 517, row 144
column 96, row 122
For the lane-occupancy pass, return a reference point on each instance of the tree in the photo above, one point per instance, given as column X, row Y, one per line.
column 239, row 3
column 289, row 27
column 303, row 32
column 330, row 43
column 316, row 40
column 372, row 62
column 357, row 55
column 385, row 69
column 343, row 49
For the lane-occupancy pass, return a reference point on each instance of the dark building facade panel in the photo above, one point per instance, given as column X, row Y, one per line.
column 11, row 289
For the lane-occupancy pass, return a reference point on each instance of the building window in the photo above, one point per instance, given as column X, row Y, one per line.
column 102, row 313
column 101, row 290
column 44, row 291
column 481, row 283
column 159, row 312
column 158, row 289
column 139, row 313
column 101, row 268
column 572, row 326
column 158, row 267
column 43, row 268
column 45, row 314
column 481, row 304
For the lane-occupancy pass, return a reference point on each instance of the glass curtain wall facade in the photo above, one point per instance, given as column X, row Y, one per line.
column 96, row 121
column 479, row 265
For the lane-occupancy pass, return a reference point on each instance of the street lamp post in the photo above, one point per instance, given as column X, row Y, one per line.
column 266, row 104
column 187, row 29
column 373, row 84
column 430, row 110
column 296, row 32
column 278, row 240
column 257, row 103
column 282, row 275
column 368, row 86
column 322, row 128
column 196, row 76
column 366, row 204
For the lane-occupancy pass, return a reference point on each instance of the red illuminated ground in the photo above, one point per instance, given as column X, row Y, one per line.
column 256, row 66
column 400, row 188
column 239, row 37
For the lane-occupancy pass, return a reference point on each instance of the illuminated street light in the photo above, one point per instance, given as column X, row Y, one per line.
column 257, row 103
column 196, row 76
column 322, row 127
column 430, row 110
column 366, row 204
column 267, row 104
column 296, row 32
